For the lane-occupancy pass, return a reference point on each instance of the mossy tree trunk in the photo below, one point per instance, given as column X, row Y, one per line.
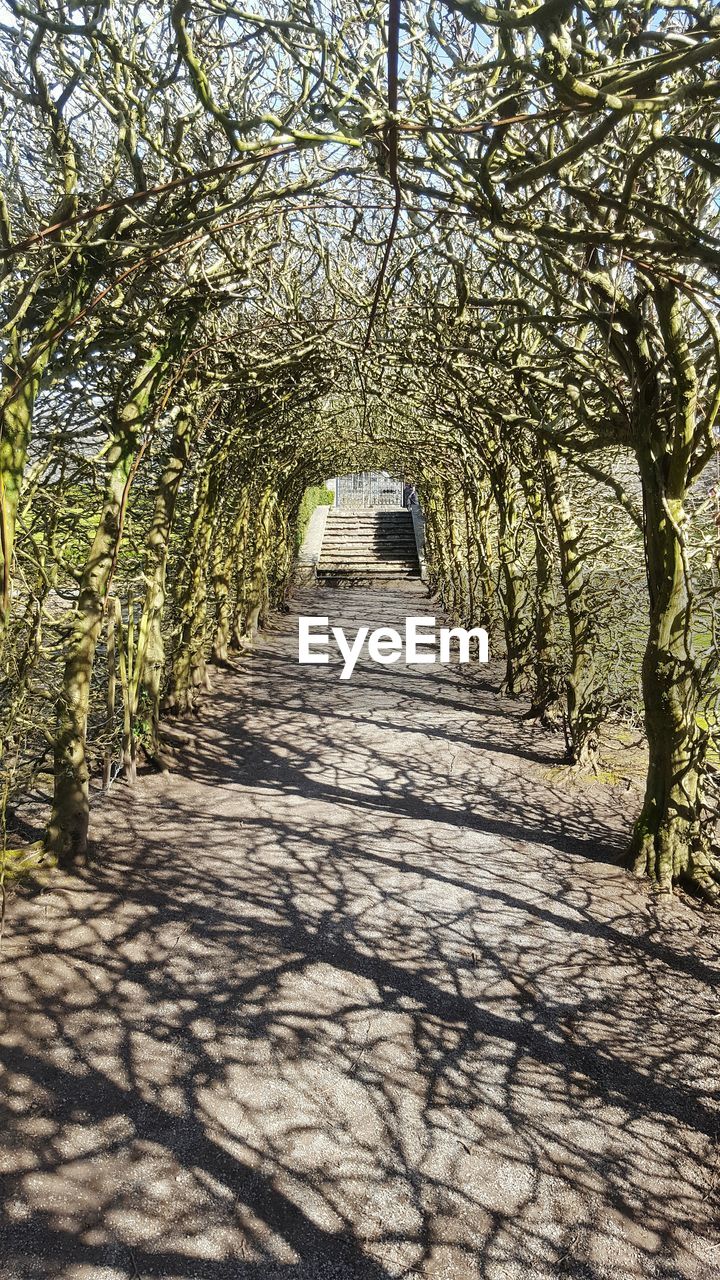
column 221, row 580
column 257, row 601
column 456, row 559
column 24, row 371
column 545, row 701
column 669, row 844
column 240, row 557
column 189, row 666
column 667, row 833
column 56, row 293
column 227, row 573
column 481, row 503
column 472, row 556
column 151, row 644
column 515, row 587
column 68, row 826
column 436, row 548
column 584, row 708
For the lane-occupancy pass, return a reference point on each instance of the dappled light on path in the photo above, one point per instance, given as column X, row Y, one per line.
column 358, row 992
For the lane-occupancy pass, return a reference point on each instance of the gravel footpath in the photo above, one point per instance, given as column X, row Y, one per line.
column 359, row 991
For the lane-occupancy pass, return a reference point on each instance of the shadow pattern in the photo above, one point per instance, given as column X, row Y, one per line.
column 357, row 992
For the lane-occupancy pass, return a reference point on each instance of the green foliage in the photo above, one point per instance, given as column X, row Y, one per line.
column 316, row 495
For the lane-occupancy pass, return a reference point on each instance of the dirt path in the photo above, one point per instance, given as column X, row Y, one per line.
column 359, row 993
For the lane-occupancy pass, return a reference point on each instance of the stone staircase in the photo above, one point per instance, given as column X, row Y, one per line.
column 361, row 546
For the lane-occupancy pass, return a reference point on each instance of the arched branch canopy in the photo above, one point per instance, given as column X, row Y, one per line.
column 243, row 249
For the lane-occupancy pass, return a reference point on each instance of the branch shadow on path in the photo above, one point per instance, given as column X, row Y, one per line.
column 358, row 992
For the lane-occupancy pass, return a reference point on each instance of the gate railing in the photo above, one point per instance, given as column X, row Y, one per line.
column 369, row 489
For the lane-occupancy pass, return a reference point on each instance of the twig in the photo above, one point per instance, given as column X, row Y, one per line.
column 390, row 142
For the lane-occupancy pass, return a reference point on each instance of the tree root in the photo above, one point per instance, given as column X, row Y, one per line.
column 698, row 871
column 703, row 876
column 185, row 699
column 586, row 759
column 26, row 859
column 546, row 713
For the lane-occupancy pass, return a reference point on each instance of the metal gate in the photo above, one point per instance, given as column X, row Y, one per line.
column 368, row 489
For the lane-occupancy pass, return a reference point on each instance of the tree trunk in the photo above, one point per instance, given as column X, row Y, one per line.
column 231, row 619
column 257, row 600
column 517, row 617
column 221, row 590
column 189, row 667
column 546, row 701
column 68, row 826
column 481, row 503
column 457, row 563
column 23, row 375
column 241, row 549
column 584, row 709
column 436, row 548
column 151, row 645
column 471, row 556
column 667, row 842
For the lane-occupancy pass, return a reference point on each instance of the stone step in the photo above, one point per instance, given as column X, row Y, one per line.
column 389, row 545
column 391, row 540
column 362, row 546
column 368, row 531
column 367, row 575
column 333, row 532
column 376, row 530
column 381, row 569
column 368, row 524
column 372, row 552
column 369, row 553
column 378, row 517
column 369, row 538
column 406, row 562
column 369, row 534
column 354, row 560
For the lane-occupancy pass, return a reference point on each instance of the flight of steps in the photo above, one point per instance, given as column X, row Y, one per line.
column 361, row 546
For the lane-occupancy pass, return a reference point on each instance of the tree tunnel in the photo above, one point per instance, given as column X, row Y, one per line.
column 243, row 252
